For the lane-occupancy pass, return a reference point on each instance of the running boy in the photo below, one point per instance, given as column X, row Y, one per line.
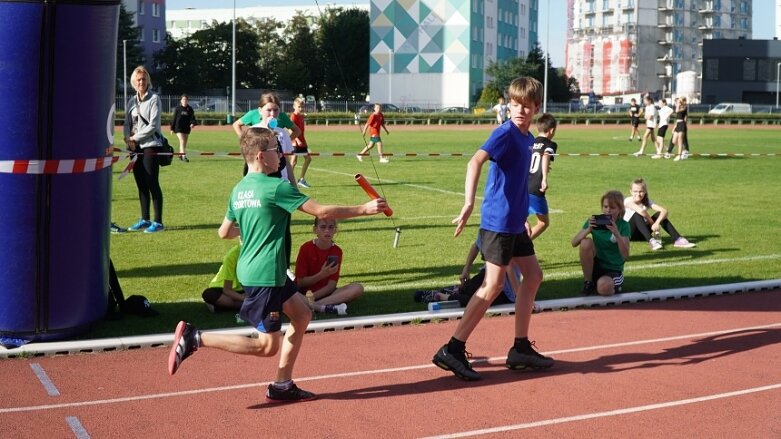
column 317, row 270
column 258, row 210
column 299, row 143
column 542, row 155
column 503, row 232
column 374, row 123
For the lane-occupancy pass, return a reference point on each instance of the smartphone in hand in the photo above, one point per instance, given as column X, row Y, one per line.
column 332, row 260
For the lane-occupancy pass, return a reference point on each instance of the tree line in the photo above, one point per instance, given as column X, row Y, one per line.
column 325, row 56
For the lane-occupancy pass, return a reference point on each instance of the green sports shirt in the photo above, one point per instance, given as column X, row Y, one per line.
column 253, row 117
column 608, row 255
column 261, row 205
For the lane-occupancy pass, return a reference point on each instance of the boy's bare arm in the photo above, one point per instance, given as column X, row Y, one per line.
column 323, row 211
column 470, row 189
column 545, row 169
column 228, row 229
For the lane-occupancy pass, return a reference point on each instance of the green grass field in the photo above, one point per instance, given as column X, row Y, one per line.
column 725, row 205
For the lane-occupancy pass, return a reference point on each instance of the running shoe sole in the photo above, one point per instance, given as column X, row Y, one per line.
column 442, row 364
column 172, row 366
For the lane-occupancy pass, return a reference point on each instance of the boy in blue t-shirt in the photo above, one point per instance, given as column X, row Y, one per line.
column 503, row 232
column 259, row 210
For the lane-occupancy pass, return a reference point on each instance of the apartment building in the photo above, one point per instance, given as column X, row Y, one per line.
column 433, row 53
column 618, row 47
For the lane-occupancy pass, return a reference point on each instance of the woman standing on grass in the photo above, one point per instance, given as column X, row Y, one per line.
column 142, row 136
column 181, row 124
column 680, row 137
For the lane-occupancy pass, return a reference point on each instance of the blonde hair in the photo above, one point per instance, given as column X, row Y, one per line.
column 253, row 140
column 614, row 199
column 525, row 90
column 640, row 182
column 298, row 100
column 140, row 70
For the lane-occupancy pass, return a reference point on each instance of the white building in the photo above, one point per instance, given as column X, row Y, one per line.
column 624, row 46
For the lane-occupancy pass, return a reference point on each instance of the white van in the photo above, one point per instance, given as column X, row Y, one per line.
column 729, row 107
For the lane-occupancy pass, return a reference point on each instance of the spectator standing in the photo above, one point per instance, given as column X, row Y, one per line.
column 375, row 121
column 635, row 112
column 650, row 124
column 182, row 123
column 664, row 119
column 543, row 153
column 142, row 136
column 501, row 111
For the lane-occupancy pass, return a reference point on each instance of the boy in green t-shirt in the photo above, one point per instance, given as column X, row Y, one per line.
column 602, row 256
column 259, row 209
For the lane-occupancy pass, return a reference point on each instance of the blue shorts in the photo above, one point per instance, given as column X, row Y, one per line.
column 262, row 307
column 500, row 248
column 538, row 205
column 375, row 139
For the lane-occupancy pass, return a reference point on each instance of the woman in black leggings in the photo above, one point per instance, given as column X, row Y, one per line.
column 142, row 136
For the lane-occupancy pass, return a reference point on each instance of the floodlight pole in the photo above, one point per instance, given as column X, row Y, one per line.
column 778, row 77
column 547, row 52
column 124, row 74
column 233, row 64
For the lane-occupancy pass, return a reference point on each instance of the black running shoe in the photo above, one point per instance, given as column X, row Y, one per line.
column 588, row 288
column 528, row 359
column 184, row 345
column 456, row 363
column 293, row 394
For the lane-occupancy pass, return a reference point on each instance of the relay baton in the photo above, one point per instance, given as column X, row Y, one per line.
column 369, row 189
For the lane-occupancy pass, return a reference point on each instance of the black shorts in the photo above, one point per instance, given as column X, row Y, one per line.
column 617, row 276
column 680, row 126
column 301, row 149
column 635, row 122
column 500, row 248
column 662, row 131
column 263, row 306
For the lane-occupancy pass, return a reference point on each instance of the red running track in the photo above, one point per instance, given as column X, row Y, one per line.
column 709, row 367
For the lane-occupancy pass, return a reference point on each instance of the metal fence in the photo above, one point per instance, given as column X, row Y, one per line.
column 221, row 104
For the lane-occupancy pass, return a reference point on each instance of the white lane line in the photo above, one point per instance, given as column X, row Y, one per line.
column 618, row 412
column 77, row 428
column 51, row 389
column 359, row 373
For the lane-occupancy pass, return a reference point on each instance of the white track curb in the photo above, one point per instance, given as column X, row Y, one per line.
column 158, row 340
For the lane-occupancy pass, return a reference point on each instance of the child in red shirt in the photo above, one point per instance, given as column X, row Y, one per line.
column 299, row 143
column 374, row 123
column 317, row 271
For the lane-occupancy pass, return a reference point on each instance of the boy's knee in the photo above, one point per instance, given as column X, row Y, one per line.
column 605, row 286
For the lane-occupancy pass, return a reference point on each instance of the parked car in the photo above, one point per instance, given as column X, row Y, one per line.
column 386, row 108
column 462, row 110
column 730, row 107
column 412, row 109
column 615, row 109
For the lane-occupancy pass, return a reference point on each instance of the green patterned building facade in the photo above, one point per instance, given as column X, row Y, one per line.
column 433, row 53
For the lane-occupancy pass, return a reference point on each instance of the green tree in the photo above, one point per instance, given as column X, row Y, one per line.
column 343, row 37
column 489, row 96
column 203, row 60
column 270, row 51
column 301, row 60
column 128, row 32
column 560, row 88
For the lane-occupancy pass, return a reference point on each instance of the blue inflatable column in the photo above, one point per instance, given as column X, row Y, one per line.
column 57, row 63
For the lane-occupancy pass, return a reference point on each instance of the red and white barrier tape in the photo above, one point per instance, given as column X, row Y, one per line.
column 37, row 167
column 80, row 166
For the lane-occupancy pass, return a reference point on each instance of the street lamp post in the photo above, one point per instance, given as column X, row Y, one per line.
column 390, row 74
